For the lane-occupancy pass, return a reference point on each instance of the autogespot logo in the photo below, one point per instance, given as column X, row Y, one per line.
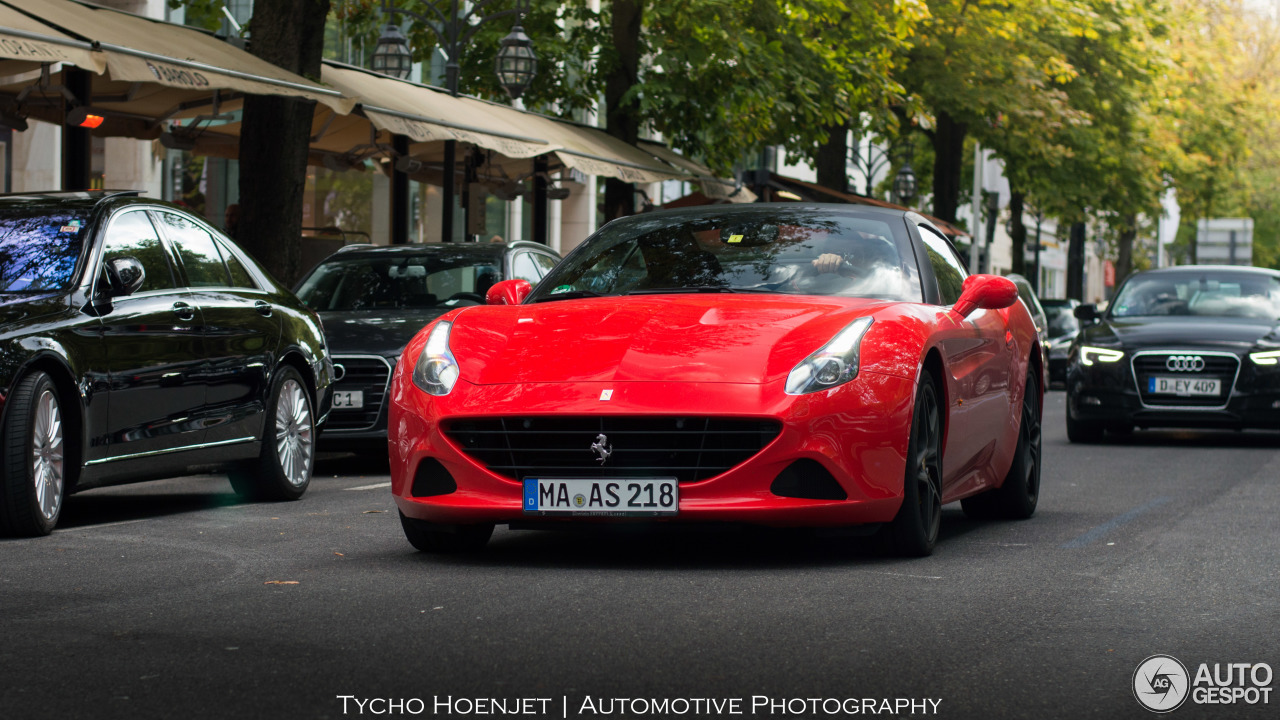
column 1160, row 683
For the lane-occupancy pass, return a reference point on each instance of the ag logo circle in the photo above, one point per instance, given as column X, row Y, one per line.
column 1161, row 683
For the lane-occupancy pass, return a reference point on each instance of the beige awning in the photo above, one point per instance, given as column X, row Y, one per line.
column 141, row 50
column 425, row 114
column 25, row 44
column 712, row 186
column 595, row 152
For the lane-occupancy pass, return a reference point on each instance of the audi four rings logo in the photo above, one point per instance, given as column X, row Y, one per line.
column 1184, row 363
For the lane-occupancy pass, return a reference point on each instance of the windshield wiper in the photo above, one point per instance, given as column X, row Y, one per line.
column 569, row 295
column 699, row 289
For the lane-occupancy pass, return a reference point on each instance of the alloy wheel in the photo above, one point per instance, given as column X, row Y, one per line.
column 929, row 467
column 47, row 455
column 294, row 440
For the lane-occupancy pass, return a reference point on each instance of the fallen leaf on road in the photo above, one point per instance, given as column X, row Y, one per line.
column 366, row 512
column 339, row 554
column 281, row 582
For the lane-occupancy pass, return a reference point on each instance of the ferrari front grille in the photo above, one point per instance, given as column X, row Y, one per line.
column 687, row 448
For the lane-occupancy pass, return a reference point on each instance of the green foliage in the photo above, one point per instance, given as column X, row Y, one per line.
column 205, row 14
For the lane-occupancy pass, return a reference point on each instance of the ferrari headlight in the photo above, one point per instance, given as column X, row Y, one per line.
column 437, row 370
column 1090, row 355
column 1269, row 357
column 833, row 364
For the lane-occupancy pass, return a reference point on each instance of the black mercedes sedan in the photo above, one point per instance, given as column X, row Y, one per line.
column 137, row 342
column 374, row 299
column 1192, row 346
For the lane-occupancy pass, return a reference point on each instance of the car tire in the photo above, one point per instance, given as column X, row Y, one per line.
column 914, row 530
column 283, row 468
column 35, row 459
column 1080, row 431
column 430, row 537
column 1017, row 496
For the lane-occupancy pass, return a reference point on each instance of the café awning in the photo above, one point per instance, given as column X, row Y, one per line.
column 25, row 44
column 184, row 60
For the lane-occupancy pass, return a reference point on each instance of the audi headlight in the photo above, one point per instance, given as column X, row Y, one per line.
column 437, row 370
column 1268, row 357
column 1089, row 355
column 833, row 364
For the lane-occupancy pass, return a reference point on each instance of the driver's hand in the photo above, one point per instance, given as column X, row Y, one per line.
column 827, row 263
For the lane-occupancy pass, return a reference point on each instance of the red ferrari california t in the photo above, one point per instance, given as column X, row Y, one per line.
column 782, row 365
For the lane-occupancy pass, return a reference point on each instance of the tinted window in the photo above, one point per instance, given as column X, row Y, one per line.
column 39, row 250
column 1062, row 320
column 200, row 257
column 795, row 252
column 544, row 262
column 240, row 277
column 1212, row 293
column 947, row 268
column 132, row 235
column 367, row 282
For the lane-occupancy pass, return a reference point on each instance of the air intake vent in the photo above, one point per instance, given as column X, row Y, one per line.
column 432, row 479
column 808, row 480
column 688, row 448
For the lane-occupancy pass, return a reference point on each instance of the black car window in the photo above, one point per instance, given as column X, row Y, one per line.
column 1210, row 293
column 240, row 277
column 200, row 257
column 370, row 281
column 131, row 234
column 947, row 268
column 1062, row 320
column 39, row 249
column 524, row 268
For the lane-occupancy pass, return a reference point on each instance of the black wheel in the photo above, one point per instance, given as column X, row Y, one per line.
column 1016, row 498
column 1081, row 431
column 434, row 538
column 35, row 466
column 1120, row 429
column 914, row 530
column 283, row 468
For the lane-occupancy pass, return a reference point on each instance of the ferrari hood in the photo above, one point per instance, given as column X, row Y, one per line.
column 672, row 338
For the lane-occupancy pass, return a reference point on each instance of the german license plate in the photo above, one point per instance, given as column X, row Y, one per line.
column 629, row 497
column 348, row 399
column 1184, row 387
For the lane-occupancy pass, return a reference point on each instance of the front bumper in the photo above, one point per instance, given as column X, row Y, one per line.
column 1108, row 394
column 858, row 432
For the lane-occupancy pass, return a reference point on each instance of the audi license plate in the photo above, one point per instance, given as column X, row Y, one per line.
column 1184, row 387
column 629, row 497
column 348, row 399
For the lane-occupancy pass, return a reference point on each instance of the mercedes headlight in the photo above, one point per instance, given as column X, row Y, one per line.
column 437, row 370
column 1268, row 357
column 833, row 364
column 1089, row 355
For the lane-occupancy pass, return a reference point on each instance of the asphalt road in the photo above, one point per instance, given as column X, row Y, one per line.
column 173, row 600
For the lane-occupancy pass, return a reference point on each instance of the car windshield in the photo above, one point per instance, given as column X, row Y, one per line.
column 1062, row 320
column 1216, row 293
column 795, row 252
column 39, row 249
column 399, row 281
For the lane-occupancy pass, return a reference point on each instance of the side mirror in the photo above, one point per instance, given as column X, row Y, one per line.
column 125, row 274
column 508, row 292
column 1086, row 313
column 989, row 292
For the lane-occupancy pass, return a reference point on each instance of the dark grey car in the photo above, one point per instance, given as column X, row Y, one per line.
column 374, row 299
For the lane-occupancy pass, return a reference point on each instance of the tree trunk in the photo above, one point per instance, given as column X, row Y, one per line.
column 948, row 150
column 1124, row 261
column 1075, row 262
column 622, row 115
column 832, row 160
column 275, row 136
column 1017, row 233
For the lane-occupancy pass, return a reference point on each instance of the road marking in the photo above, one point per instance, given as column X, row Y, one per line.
column 103, row 525
column 371, row 487
column 1098, row 532
column 918, row 577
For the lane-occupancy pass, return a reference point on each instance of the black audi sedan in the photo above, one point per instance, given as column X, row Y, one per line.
column 1193, row 346
column 374, row 299
column 137, row 342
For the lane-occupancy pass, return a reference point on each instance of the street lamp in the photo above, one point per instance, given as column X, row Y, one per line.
column 516, row 65
column 392, row 56
column 904, row 183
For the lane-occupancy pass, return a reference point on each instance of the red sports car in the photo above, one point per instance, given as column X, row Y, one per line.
column 781, row 365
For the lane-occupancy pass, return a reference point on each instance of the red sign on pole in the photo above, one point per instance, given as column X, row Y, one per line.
column 1109, row 274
